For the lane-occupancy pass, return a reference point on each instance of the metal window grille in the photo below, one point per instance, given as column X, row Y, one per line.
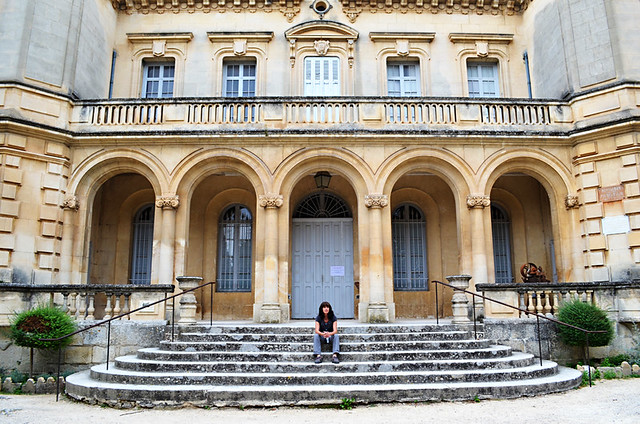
column 142, row 246
column 409, row 248
column 234, row 250
column 501, row 230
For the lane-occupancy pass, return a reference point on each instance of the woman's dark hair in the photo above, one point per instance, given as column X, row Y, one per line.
column 331, row 315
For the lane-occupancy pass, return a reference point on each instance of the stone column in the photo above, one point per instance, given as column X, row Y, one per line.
column 459, row 301
column 377, row 310
column 70, row 206
column 477, row 204
column 188, row 303
column 168, row 204
column 270, row 308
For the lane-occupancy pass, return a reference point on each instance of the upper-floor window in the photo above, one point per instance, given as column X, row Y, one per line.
column 239, row 79
column 321, row 76
column 403, row 78
column 158, row 79
column 482, row 77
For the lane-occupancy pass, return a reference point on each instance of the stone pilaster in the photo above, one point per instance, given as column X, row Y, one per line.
column 477, row 204
column 377, row 310
column 168, row 204
column 270, row 311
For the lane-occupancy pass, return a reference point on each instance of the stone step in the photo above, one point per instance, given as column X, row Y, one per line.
column 81, row 387
column 306, row 337
column 356, row 356
column 345, row 327
column 117, row 375
column 133, row 363
column 308, row 346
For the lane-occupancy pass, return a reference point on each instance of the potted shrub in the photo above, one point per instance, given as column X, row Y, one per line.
column 28, row 328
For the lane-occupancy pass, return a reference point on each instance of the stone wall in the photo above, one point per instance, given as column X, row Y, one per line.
column 88, row 348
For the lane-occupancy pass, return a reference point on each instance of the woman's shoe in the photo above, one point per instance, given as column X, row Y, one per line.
column 335, row 359
column 318, row 359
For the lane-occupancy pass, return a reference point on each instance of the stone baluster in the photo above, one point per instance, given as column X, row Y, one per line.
column 460, row 301
column 547, row 302
column 188, row 301
column 127, row 305
column 72, row 304
column 590, row 297
column 116, row 307
column 108, row 310
column 539, row 301
column 65, row 302
column 522, row 296
column 82, row 305
column 557, row 296
column 91, row 306
column 531, row 307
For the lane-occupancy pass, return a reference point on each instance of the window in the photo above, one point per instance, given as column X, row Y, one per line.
column 408, row 233
column 501, row 230
column 482, row 77
column 141, row 249
column 403, row 79
column 239, row 79
column 157, row 79
column 321, row 76
column 234, row 250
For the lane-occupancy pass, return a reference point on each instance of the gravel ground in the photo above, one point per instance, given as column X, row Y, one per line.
column 609, row 401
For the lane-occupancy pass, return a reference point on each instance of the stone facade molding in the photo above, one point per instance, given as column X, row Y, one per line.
column 70, row 203
column 168, row 202
column 571, row 201
column 373, row 201
column 270, row 200
column 478, row 201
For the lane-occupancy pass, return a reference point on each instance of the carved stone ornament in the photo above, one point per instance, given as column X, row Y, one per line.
column 239, row 47
column 321, row 46
column 159, row 47
column 478, row 201
column 482, row 48
column 571, row 201
column 167, row 202
column 376, row 200
column 71, row 203
column 402, row 47
column 270, row 200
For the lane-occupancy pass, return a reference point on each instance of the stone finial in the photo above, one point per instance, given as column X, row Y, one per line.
column 571, row 201
column 168, row 202
column 376, row 200
column 478, row 201
column 270, row 200
column 71, row 203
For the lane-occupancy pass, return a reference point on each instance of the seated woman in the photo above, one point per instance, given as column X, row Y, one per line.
column 326, row 332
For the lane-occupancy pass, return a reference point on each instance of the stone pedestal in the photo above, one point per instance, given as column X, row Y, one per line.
column 378, row 313
column 460, row 301
column 188, row 302
column 270, row 313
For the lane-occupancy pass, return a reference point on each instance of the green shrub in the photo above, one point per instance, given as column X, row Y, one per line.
column 42, row 322
column 609, row 375
column 615, row 361
column 588, row 317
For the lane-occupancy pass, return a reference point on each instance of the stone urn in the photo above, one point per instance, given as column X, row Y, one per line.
column 188, row 302
column 460, row 301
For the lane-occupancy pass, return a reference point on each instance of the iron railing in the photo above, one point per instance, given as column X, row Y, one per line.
column 537, row 315
column 108, row 322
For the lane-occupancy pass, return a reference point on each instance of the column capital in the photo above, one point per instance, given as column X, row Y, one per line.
column 70, row 202
column 376, row 200
column 571, row 201
column 270, row 200
column 168, row 201
column 478, row 201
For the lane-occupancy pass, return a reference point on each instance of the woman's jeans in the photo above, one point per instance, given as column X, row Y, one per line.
column 318, row 339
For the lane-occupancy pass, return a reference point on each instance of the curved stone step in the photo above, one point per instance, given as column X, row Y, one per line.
column 133, row 363
column 308, row 346
column 308, row 336
column 81, row 387
column 268, row 379
column 345, row 327
column 305, row 356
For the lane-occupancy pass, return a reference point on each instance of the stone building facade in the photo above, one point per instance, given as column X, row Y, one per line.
column 141, row 140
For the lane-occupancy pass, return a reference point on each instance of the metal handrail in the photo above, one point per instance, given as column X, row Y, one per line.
column 537, row 315
column 108, row 322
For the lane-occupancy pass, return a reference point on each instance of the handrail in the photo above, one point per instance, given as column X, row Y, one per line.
column 537, row 315
column 108, row 322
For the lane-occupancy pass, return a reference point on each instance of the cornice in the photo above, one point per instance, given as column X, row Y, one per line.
column 426, row 37
column 471, row 37
column 255, row 36
column 140, row 37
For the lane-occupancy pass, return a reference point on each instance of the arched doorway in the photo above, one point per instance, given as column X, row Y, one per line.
column 322, row 256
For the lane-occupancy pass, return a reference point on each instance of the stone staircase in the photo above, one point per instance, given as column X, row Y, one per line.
column 269, row 365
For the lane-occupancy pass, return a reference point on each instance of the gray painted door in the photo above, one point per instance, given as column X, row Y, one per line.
column 322, row 266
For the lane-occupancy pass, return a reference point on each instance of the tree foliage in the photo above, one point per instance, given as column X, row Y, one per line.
column 588, row 317
column 42, row 322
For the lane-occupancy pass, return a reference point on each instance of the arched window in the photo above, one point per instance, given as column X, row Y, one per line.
column 142, row 246
column 234, row 250
column 408, row 231
column 501, row 229
column 322, row 205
